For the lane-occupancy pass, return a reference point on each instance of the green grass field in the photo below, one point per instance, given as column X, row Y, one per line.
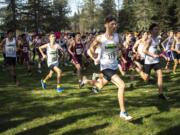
column 29, row 110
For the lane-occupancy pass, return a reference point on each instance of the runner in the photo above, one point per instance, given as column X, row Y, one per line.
column 109, row 44
column 176, row 51
column 52, row 61
column 152, row 59
column 25, row 50
column 138, row 50
column 10, row 46
column 167, row 44
column 76, row 51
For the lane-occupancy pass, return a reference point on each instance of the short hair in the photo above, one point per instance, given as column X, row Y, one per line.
column 151, row 27
column 9, row 31
column 109, row 19
column 77, row 33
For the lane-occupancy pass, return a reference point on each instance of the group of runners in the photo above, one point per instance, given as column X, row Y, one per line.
column 111, row 52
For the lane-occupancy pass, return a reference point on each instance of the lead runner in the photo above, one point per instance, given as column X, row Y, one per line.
column 109, row 44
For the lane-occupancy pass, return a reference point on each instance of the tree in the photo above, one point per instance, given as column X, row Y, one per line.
column 141, row 13
column 37, row 15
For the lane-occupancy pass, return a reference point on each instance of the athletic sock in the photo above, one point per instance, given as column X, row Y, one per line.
column 44, row 81
column 58, row 85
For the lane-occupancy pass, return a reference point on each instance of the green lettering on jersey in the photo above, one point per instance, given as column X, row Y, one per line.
column 53, row 53
column 11, row 45
column 110, row 46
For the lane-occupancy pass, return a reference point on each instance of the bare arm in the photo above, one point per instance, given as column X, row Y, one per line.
column 173, row 46
column 60, row 48
column 41, row 50
column 162, row 44
column 94, row 45
column 2, row 43
column 136, row 46
column 71, row 45
column 18, row 46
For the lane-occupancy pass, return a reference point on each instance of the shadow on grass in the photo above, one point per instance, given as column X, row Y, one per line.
column 86, row 131
column 50, row 127
column 170, row 131
column 139, row 121
column 19, row 103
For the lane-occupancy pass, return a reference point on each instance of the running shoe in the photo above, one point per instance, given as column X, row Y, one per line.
column 95, row 90
column 94, row 76
column 59, row 89
column 43, row 84
column 162, row 96
column 39, row 71
column 81, row 84
column 125, row 116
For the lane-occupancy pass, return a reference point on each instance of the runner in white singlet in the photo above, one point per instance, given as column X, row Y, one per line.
column 10, row 47
column 52, row 61
column 109, row 44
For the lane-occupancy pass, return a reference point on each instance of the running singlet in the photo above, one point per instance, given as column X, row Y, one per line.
column 168, row 44
column 153, row 49
column 25, row 48
column 177, row 46
column 78, row 49
column 129, row 52
column 10, row 48
column 52, row 55
column 140, row 51
column 109, row 50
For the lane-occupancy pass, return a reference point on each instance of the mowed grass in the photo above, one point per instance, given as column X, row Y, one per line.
column 29, row 110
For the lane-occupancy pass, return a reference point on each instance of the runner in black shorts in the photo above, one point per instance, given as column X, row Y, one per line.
column 10, row 45
column 76, row 51
column 152, row 60
column 176, row 51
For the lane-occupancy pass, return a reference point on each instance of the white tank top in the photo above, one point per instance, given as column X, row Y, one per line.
column 177, row 46
column 140, row 50
column 52, row 55
column 168, row 44
column 154, row 50
column 109, row 50
column 10, row 48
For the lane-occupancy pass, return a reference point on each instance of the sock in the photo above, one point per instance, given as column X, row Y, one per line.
column 44, row 81
column 58, row 85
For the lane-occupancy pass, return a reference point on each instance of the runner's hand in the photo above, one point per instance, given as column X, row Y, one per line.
column 96, row 61
column 44, row 57
column 156, row 56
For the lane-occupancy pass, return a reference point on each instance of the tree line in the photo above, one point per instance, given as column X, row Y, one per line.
column 48, row 15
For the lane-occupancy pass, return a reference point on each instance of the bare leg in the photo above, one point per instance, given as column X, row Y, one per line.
column 48, row 76
column 175, row 65
column 121, row 86
column 159, row 81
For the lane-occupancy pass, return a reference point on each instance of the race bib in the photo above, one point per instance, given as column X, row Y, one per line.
column 130, row 54
column 112, row 55
column 10, row 51
column 54, row 59
column 78, row 51
column 25, row 49
column 53, row 56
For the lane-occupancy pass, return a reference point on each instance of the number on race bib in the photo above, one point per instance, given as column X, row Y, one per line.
column 11, row 50
column 130, row 54
column 79, row 51
column 112, row 55
column 54, row 59
column 25, row 49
